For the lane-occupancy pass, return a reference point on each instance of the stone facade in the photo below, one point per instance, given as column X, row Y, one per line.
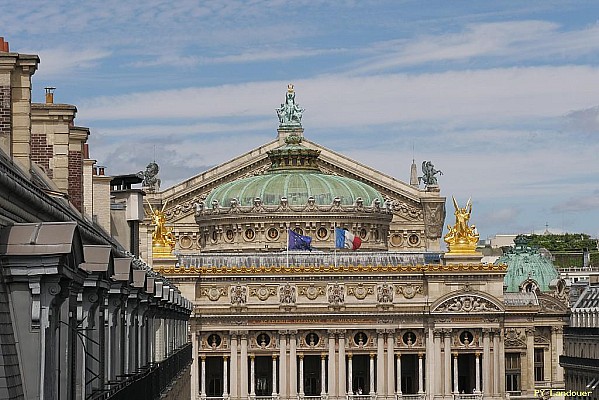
column 395, row 321
column 80, row 316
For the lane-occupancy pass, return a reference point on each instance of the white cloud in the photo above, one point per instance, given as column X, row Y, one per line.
column 64, row 62
column 510, row 40
column 586, row 120
column 502, row 94
column 581, row 203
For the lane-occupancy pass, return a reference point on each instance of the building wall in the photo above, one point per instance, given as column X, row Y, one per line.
column 239, row 304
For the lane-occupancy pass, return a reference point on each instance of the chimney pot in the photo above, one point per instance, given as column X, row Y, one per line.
column 101, row 171
column 3, row 45
column 95, row 170
column 85, row 151
column 49, row 94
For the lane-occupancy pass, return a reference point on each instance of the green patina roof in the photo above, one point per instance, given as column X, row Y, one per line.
column 525, row 262
column 294, row 174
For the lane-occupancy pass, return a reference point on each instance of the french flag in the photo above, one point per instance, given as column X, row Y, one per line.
column 346, row 240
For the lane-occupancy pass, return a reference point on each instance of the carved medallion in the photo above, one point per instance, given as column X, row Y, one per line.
column 311, row 292
column 263, row 292
column 360, row 291
column 409, row 291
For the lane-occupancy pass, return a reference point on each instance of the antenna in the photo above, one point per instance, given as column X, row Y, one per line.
column 154, row 153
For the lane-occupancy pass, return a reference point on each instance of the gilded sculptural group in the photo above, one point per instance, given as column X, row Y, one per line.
column 461, row 237
column 163, row 239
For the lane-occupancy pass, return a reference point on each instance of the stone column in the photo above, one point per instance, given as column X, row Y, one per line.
column 252, row 376
column 420, row 375
column 559, row 345
column 447, row 360
column 436, row 364
column 487, row 387
column 225, row 377
column 274, row 375
column 203, row 379
column 292, row 365
column 301, row 375
column 477, row 366
column 350, row 373
column 398, row 372
column 496, row 369
column 243, row 370
column 323, row 375
column 372, row 391
column 234, row 361
column 502, row 362
column 529, row 371
column 332, row 369
column 380, row 362
column 195, row 376
column 283, row 364
column 390, row 359
column 429, row 360
column 341, row 367
column 455, row 373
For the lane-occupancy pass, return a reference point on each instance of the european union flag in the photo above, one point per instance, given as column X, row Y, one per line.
column 298, row 242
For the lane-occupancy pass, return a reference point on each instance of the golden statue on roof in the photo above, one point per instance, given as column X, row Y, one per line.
column 462, row 238
column 163, row 239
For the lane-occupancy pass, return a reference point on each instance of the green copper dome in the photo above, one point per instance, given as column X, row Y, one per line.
column 293, row 174
column 525, row 262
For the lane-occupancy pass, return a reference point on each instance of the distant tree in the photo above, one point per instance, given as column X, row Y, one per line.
column 564, row 242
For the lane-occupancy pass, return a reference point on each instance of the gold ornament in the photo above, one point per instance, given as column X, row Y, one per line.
column 462, row 238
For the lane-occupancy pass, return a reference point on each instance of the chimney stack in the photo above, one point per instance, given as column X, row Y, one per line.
column 3, row 45
column 49, row 94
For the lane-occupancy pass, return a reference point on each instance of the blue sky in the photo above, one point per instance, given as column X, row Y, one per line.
column 503, row 97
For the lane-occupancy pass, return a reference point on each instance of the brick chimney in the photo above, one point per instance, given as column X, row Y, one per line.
column 15, row 104
column 3, row 45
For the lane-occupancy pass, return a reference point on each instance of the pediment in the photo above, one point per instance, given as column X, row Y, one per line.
column 181, row 198
column 467, row 302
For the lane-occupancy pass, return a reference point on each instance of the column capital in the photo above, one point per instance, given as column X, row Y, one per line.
column 557, row 329
column 381, row 332
column 455, row 354
column 203, row 357
column 398, row 355
column 372, row 355
column 225, row 357
column 275, row 356
column 420, row 355
column 349, row 356
column 447, row 331
column 252, row 356
column 437, row 332
column 486, row 331
column 323, row 356
column 477, row 354
column 530, row 331
column 300, row 356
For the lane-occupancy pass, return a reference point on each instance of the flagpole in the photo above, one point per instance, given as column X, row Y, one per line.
column 287, row 247
column 335, row 244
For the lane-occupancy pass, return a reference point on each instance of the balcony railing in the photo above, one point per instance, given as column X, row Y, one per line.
column 149, row 382
column 463, row 396
column 401, row 396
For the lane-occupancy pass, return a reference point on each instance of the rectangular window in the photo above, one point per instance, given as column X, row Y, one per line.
column 512, row 373
column 539, row 365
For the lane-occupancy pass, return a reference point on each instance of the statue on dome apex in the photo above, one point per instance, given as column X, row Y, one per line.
column 290, row 113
